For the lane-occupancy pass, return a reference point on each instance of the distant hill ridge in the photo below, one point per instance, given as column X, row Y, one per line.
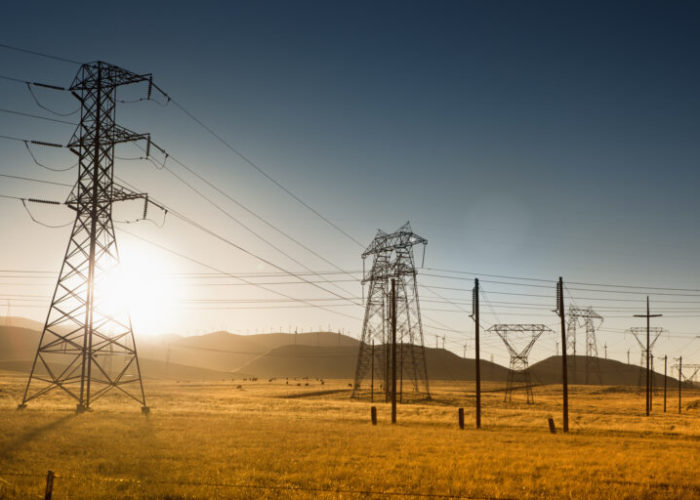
column 222, row 354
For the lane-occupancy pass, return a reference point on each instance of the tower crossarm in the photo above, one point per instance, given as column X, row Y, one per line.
column 402, row 238
column 115, row 134
column 655, row 332
column 582, row 314
column 534, row 330
column 108, row 74
column 687, row 367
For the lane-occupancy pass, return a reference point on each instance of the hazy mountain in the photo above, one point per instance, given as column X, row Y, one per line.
column 21, row 322
column 226, row 351
column 340, row 362
column 317, row 355
column 611, row 372
column 18, row 343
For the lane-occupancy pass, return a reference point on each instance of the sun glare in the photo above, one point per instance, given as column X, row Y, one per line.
column 140, row 287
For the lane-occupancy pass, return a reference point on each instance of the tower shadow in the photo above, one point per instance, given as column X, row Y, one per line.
column 17, row 443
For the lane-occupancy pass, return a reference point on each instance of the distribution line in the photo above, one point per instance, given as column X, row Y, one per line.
column 581, row 283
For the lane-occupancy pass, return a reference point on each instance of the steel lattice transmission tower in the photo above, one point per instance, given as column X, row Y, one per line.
column 584, row 317
column 525, row 337
column 87, row 345
column 639, row 333
column 392, row 258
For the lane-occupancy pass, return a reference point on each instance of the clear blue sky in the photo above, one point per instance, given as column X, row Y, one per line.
column 520, row 138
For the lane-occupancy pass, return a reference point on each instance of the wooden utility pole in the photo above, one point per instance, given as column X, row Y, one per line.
column 648, row 316
column 393, row 351
column 665, row 379
column 477, row 361
column 372, row 383
column 564, row 374
column 680, row 381
column 401, row 372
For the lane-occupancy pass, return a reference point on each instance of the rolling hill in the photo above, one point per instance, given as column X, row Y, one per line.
column 221, row 354
column 340, row 362
column 548, row 371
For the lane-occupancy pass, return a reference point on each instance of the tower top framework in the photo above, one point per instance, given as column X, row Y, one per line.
column 392, row 254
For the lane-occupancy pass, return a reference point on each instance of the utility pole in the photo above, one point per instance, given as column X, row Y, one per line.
column 606, row 350
column 401, row 375
column 372, row 383
column 443, row 342
column 680, row 381
column 628, row 356
column 564, row 375
column 393, row 351
column 477, row 363
column 436, row 341
column 648, row 316
column 464, row 355
column 665, row 379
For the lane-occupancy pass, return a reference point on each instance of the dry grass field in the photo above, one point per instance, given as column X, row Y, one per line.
column 267, row 439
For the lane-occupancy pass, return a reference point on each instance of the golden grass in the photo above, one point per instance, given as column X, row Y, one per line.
column 214, row 440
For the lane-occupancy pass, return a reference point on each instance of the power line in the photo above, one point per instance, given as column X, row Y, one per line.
column 245, row 226
column 247, row 209
column 41, row 181
column 39, row 117
column 40, row 54
column 221, row 238
column 264, row 173
column 208, row 266
column 581, row 283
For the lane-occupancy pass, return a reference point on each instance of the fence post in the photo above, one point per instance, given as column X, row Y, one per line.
column 374, row 415
column 460, row 415
column 49, row 485
column 552, row 427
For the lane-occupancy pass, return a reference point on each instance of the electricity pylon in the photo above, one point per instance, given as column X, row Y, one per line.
column 584, row 317
column 392, row 258
column 525, row 337
column 693, row 368
column 641, row 331
column 87, row 344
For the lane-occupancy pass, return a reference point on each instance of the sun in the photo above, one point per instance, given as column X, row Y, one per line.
column 140, row 287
